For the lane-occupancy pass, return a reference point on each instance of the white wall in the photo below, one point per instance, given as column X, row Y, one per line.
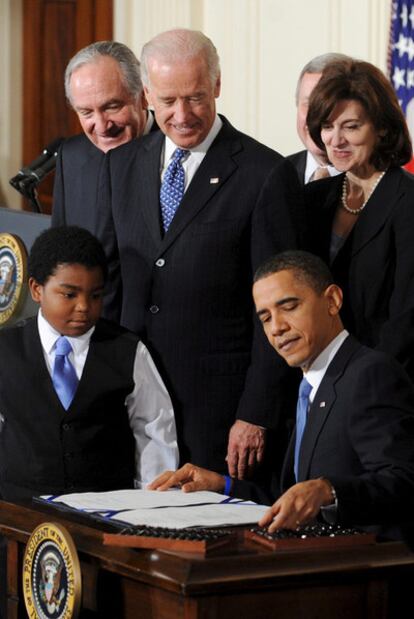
column 263, row 45
column 10, row 98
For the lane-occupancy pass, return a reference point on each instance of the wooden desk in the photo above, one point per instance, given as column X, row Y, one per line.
column 367, row 582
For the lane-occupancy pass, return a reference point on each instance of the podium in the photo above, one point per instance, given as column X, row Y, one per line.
column 26, row 227
column 247, row 582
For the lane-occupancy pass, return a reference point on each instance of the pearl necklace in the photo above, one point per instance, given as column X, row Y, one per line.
column 356, row 211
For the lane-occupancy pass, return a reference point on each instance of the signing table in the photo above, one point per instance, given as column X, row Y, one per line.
column 244, row 581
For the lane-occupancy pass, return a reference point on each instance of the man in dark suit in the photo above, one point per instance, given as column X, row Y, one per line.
column 353, row 462
column 103, row 85
column 186, row 275
column 311, row 163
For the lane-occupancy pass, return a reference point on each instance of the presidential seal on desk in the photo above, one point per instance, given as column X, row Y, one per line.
column 51, row 574
column 13, row 261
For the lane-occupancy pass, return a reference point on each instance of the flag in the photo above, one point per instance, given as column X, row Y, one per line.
column 401, row 60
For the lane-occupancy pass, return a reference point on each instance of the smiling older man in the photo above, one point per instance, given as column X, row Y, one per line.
column 103, row 85
column 195, row 208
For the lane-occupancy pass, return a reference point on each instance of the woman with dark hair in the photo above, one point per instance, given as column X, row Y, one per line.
column 362, row 221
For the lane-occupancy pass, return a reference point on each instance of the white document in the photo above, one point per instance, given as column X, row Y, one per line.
column 173, row 508
column 214, row 515
column 136, row 499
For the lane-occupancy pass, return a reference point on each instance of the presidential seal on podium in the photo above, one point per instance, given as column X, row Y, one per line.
column 52, row 585
column 13, row 267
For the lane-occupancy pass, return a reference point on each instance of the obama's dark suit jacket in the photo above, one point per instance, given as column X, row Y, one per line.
column 359, row 434
column 188, row 292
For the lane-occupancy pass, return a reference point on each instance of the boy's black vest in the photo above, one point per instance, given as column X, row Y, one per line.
column 45, row 449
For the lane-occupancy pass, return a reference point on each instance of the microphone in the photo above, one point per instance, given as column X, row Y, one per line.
column 49, row 151
column 27, row 179
column 40, row 171
column 39, row 167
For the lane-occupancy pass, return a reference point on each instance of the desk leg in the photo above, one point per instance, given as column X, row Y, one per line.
column 190, row 608
column 12, row 580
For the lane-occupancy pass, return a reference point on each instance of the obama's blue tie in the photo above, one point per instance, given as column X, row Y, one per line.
column 301, row 413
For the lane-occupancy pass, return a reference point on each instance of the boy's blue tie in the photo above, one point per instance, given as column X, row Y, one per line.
column 301, row 413
column 172, row 188
column 64, row 376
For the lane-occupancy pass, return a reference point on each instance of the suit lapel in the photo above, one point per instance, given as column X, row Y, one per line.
column 154, row 126
column 90, row 163
column 381, row 204
column 325, row 195
column 217, row 164
column 149, row 172
column 300, row 164
column 323, row 404
column 317, row 415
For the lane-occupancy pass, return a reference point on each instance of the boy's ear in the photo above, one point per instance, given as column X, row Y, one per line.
column 35, row 289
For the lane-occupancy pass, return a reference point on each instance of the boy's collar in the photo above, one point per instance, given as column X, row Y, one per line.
column 49, row 335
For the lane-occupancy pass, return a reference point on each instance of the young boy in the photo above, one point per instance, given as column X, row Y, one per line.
column 68, row 404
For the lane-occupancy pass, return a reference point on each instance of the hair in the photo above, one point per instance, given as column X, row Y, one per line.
column 317, row 65
column 128, row 64
column 363, row 82
column 65, row 245
column 307, row 267
column 180, row 45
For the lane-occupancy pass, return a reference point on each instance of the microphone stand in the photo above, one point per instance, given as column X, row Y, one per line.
column 27, row 186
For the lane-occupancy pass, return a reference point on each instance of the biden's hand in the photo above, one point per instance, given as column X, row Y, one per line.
column 245, row 448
